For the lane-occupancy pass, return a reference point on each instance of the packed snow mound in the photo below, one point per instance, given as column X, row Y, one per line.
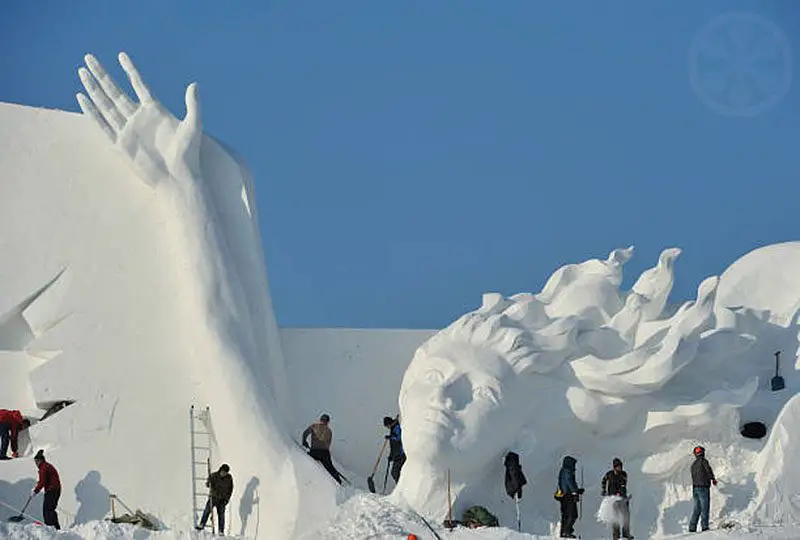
column 778, row 499
column 165, row 305
column 108, row 531
column 764, row 280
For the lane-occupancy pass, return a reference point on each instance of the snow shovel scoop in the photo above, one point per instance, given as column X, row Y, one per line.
column 21, row 515
column 370, row 478
column 777, row 383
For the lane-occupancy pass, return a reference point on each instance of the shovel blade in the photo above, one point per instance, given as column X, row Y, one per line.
column 16, row 519
column 371, row 484
column 777, row 383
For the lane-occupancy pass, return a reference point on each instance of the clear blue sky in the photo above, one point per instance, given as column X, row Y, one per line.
column 411, row 155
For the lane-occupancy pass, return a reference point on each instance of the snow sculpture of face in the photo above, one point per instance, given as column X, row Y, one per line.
column 461, row 401
column 452, row 403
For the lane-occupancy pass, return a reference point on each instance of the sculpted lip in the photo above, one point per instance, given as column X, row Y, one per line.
column 438, row 416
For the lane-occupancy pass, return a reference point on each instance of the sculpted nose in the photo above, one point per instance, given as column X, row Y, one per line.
column 441, row 398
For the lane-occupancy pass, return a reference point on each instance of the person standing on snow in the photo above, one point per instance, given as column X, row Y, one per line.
column 571, row 494
column 397, row 456
column 220, row 486
column 615, row 482
column 702, row 479
column 11, row 423
column 51, row 483
column 514, row 478
column 320, row 449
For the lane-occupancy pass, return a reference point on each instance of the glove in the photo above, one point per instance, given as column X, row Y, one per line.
column 305, row 443
column 387, row 437
column 33, row 493
column 714, row 481
column 603, row 494
column 581, row 491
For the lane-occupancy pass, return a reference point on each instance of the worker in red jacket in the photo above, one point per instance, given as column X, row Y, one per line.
column 11, row 423
column 51, row 483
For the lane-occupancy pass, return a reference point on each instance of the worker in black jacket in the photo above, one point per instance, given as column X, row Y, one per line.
column 220, row 486
column 702, row 479
column 397, row 456
column 615, row 482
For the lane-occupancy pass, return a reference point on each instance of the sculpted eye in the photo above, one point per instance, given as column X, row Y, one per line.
column 434, row 376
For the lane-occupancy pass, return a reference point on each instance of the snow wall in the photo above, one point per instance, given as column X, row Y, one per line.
column 99, row 303
column 88, row 285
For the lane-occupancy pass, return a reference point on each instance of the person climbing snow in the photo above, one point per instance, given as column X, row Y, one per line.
column 11, row 423
column 397, row 456
column 320, row 449
column 570, row 495
column 220, row 486
column 50, row 482
column 702, row 479
column 615, row 483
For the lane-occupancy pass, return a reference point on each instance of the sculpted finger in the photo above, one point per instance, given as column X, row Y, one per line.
column 91, row 111
column 190, row 133
column 120, row 99
column 101, row 100
column 193, row 111
column 142, row 92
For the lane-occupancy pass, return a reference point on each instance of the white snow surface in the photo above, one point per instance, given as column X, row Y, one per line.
column 133, row 282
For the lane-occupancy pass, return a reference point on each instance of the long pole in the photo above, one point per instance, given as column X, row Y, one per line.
column 449, row 502
column 193, row 471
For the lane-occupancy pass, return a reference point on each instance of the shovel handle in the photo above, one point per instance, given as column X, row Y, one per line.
column 378, row 461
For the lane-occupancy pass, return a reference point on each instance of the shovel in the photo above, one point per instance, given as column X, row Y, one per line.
column 21, row 516
column 370, row 479
column 777, row 382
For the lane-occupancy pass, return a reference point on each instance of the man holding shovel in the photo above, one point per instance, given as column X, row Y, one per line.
column 397, row 456
column 51, row 484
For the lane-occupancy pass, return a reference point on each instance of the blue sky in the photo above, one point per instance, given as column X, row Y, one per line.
column 410, row 156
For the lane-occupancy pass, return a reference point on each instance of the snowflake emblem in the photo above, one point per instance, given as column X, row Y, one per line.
column 740, row 64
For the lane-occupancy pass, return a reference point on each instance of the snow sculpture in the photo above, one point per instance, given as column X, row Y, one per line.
column 539, row 373
column 211, row 230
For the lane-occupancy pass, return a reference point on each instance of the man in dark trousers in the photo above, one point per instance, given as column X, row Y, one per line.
column 615, row 482
column 397, row 456
column 702, row 479
column 320, row 449
column 11, row 423
column 220, row 486
column 515, row 478
column 51, row 483
column 571, row 495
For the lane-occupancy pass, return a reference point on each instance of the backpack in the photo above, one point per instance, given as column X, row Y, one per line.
column 478, row 515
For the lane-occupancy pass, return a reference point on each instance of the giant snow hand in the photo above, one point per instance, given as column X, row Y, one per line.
column 159, row 145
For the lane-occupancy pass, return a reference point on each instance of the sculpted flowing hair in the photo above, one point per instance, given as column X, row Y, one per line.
column 505, row 337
